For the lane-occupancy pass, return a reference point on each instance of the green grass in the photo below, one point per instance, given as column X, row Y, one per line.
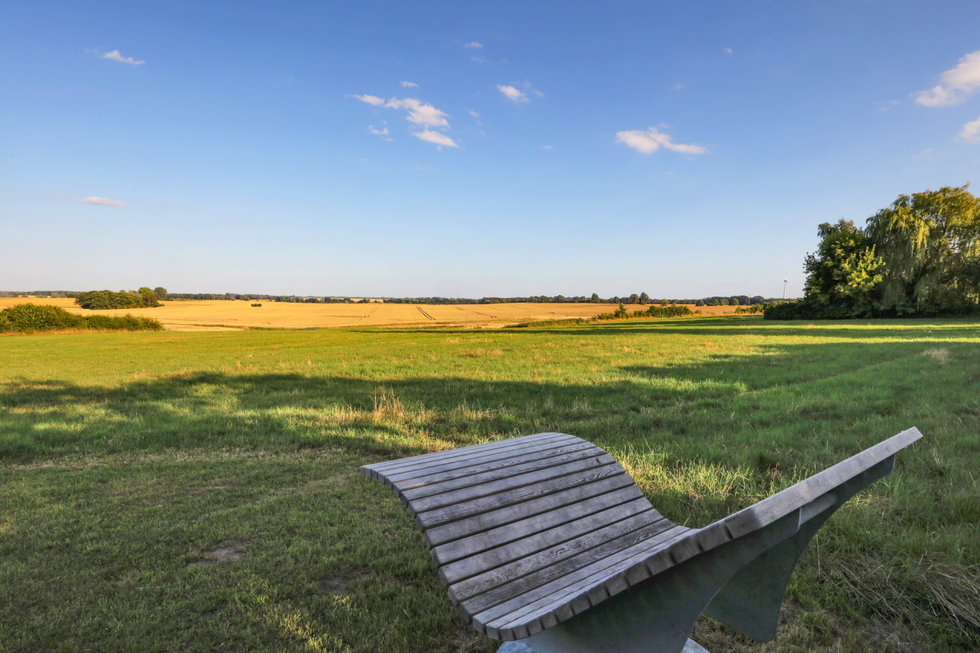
column 164, row 491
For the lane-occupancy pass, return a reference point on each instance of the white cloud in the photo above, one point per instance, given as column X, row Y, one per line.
column 99, row 201
column 371, row 99
column 474, row 113
column 115, row 56
column 955, row 85
column 436, row 137
column 419, row 112
column 410, row 85
column 971, row 132
column 473, row 44
column 652, row 140
column 512, row 93
column 537, row 92
column 678, row 86
column 382, row 132
column 545, row 147
column 478, row 59
column 728, row 50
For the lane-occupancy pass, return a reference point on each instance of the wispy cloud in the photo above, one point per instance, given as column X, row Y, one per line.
column 727, row 50
column 512, row 94
column 436, row 137
column 420, row 112
column 545, row 147
column 371, row 99
column 473, row 44
column 474, row 113
column 116, row 56
column 955, row 85
column 652, row 140
column 99, row 201
column 478, row 59
column 410, row 85
column 971, row 132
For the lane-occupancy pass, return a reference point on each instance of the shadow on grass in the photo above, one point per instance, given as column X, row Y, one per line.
column 738, row 326
column 728, row 409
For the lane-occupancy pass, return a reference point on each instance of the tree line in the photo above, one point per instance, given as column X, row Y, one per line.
column 918, row 257
column 106, row 299
column 140, row 298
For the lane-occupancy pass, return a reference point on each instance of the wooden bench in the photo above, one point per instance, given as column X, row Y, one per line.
column 546, row 538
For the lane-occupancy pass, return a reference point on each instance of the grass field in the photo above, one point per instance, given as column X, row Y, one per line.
column 199, row 491
column 200, row 315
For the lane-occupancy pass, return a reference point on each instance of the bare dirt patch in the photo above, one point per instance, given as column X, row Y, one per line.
column 337, row 585
column 220, row 555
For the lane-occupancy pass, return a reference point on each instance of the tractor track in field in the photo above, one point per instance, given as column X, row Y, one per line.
column 364, row 317
column 470, row 310
column 425, row 314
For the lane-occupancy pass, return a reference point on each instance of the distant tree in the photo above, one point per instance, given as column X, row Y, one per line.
column 161, row 293
column 733, row 301
column 148, row 298
column 621, row 311
column 595, row 298
column 634, row 299
column 845, row 267
column 665, row 302
column 102, row 300
column 700, row 302
column 644, row 298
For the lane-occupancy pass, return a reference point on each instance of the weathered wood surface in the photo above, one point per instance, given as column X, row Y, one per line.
column 528, row 532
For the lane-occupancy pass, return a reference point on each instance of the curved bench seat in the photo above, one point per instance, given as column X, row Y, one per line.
column 534, row 535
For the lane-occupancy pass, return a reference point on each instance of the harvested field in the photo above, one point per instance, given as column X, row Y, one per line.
column 194, row 315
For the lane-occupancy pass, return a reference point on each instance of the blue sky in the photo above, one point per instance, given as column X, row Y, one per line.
column 682, row 149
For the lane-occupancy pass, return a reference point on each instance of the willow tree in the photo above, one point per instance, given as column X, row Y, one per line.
column 930, row 243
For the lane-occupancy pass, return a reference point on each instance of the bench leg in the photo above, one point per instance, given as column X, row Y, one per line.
column 751, row 600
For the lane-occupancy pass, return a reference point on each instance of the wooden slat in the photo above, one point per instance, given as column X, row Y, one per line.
column 410, row 479
column 504, row 471
column 494, row 537
column 481, row 592
column 520, row 552
column 492, row 488
column 555, row 503
column 546, row 596
column 473, row 458
column 516, row 499
column 389, row 464
column 474, row 451
column 544, row 604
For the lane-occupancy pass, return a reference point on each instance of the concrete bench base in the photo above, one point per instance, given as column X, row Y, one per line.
column 521, row 647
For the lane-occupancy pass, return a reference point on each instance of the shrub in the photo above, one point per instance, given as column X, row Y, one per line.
column 31, row 318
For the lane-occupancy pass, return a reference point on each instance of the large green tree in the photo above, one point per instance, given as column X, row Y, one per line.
column 844, row 268
column 930, row 242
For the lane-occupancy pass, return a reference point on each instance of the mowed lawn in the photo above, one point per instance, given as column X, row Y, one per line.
column 200, row 491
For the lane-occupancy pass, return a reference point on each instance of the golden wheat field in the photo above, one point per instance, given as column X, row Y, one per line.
column 206, row 315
